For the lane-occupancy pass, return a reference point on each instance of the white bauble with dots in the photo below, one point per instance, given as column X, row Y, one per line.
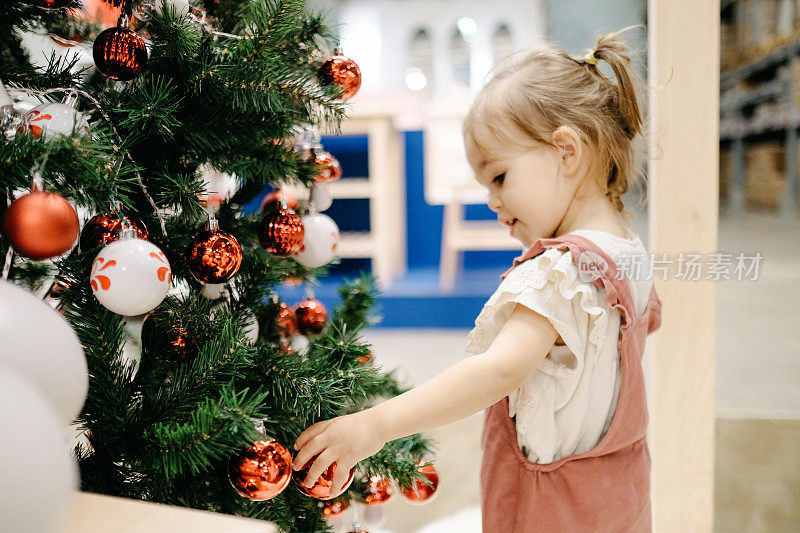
column 130, row 276
column 41, row 347
column 319, row 241
column 50, row 120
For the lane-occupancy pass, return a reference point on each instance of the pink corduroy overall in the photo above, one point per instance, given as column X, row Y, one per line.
column 606, row 489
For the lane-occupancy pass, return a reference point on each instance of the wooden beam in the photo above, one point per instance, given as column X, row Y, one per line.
column 683, row 213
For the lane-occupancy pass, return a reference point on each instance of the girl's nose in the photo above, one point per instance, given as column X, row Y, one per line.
column 493, row 203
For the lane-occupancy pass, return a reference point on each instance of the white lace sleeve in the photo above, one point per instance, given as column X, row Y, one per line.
column 550, row 285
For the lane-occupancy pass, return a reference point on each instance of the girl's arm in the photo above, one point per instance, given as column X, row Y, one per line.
column 465, row 388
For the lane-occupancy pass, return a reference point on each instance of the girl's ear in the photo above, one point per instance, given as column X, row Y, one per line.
column 570, row 148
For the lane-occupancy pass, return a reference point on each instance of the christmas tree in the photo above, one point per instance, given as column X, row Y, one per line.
column 192, row 370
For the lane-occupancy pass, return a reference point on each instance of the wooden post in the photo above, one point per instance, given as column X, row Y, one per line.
column 683, row 213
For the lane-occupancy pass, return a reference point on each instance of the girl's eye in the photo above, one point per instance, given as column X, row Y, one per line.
column 499, row 178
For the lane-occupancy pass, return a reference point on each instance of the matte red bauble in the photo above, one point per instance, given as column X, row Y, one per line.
column 214, row 256
column 311, row 317
column 342, row 71
column 119, row 53
column 281, row 232
column 321, row 490
column 329, row 167
column 262, row 471
column 104, row 229
column 419, row 492
column 40, row 225
column 379, row 490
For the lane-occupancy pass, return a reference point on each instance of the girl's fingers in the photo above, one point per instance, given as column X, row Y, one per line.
column 340, row 477
column 310, row 432
column 320, row 465
column 312, row 448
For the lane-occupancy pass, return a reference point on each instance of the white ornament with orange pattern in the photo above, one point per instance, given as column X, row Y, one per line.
column 130, row 276
column 320, row 238
column 53, row 119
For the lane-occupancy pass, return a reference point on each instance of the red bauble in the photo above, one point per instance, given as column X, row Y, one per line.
column 342, row 71
column 379, row 490
column 214, row 256
column 281, row 232
column 40, row 225
column 286, row 321
column 311, row 317
column 329, row 167
column 53, row 4
column 321, row 490
column 262, row 471
column 119, row 53
column 334, row 507
column 272, row 201
column 420, row 492
column 104, row 228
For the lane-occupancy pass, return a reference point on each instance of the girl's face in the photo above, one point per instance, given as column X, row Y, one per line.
column 530, row 189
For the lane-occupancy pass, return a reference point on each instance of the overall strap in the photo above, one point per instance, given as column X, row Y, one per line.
column 618, row 292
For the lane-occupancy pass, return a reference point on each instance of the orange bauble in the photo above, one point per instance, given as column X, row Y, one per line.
column 272, row 201
column 420, row 492
column 311, row 317
column 286, row 321
column 104, row 229
column 342, row 71
column 214, row 256
column 379, row 490
column 281, row 232
column 262, row 471
column 40, row 225
column 334, row 507
column 329, row 167
column 320, row 490
column 120, row 53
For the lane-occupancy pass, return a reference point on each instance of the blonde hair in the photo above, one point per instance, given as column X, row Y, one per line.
column 548, row 88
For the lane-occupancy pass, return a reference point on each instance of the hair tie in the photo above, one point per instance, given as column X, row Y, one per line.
column 589, row 58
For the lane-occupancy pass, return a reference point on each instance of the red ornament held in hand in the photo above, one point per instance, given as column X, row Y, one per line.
column 321, row 489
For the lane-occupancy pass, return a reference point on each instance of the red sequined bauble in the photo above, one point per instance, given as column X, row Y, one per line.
column 286, row 321
column 311, row 317
column 104, row 229
column 119, row 53
column 262, row 471
column 272, row 201
column 281, row 232
column 53, row 4
column 379, row 490
column 334, row 507
column 420, row 493
column 40, row 225
column 329, row 167
column 342, row 71
column 321, row 490
column 214, row 256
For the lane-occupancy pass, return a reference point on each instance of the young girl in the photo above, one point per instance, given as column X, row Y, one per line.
column 558, row 346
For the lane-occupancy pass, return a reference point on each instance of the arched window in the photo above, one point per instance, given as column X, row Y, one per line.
column 419, row 74
column 502, row 43
column 460, row 58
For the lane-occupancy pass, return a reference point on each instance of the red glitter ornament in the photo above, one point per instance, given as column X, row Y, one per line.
column 286, row 321
column 379, row 490
column 104, row 228
column 119, row 53
column 214, row 255
column 311, row 316
column 321, row 490
column 272, row 201
column 329, row 167
column 342, row 71
column 281, row 232
column 419, row 492
column 40, row 225
column 262, row 471
column 334, row 507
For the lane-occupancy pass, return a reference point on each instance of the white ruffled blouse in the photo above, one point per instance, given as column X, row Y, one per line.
column 565, row 406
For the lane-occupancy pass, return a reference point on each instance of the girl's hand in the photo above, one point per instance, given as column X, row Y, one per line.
column 345, row 439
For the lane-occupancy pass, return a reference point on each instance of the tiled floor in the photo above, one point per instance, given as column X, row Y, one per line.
column 757, row 392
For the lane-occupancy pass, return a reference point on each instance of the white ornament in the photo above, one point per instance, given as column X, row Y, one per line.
column 40, row 345
column 374, row 516
column 213, row 291
column 321, row 197
column 219, row 188
column 251, row 328
column 50, row 120
column 35, row 458
column 299, row 344
column 130, row 276
column 319, row 241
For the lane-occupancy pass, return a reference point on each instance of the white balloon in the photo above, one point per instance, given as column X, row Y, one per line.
column 321, row 197
column 40, row 345
column 54, row 119
column 130, row 276
column 319, row 242
column 38, row 476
